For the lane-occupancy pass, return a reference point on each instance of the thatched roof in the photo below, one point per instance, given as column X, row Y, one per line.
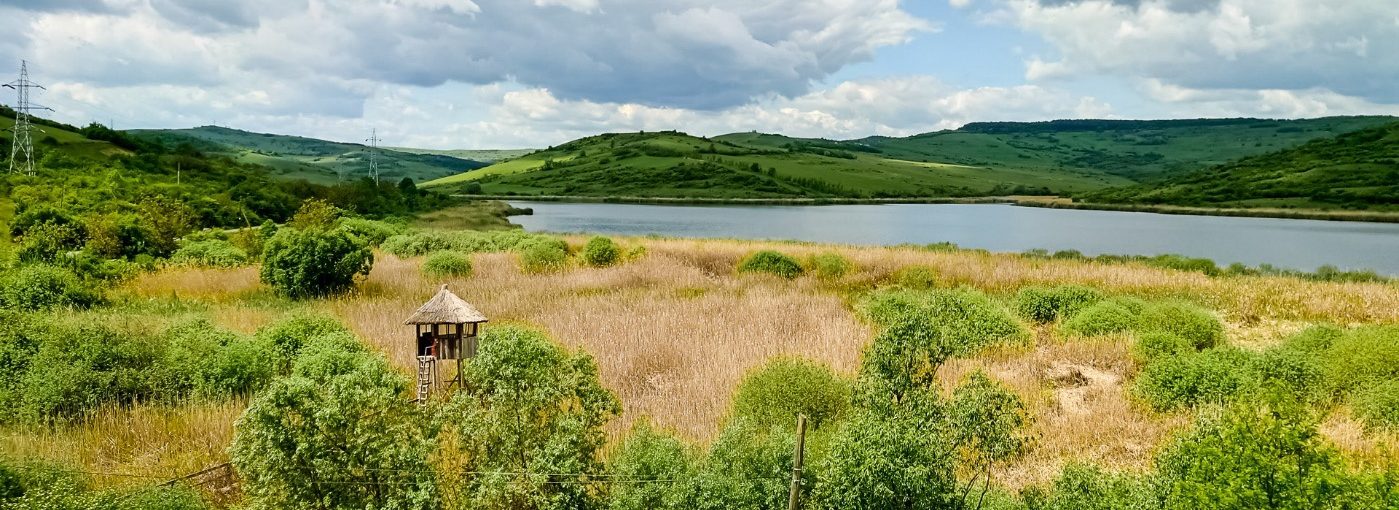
column 446, row 308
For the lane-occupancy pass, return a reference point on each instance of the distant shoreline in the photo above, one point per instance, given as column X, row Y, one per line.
column 1043, row 202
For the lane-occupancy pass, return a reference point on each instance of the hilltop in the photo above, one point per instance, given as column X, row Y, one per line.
column 320, row 161
column 979, row 159
column 1357, row 170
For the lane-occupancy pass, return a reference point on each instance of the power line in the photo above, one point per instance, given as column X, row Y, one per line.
column 24, row 141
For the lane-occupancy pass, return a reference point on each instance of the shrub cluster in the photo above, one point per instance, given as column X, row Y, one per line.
column 916, row 278
column 210, row 253
column 1126, row 315
column 1047, row 304
column 40, row 286
column 601, row 252
column 446, row 264
column 314, row 262
column 774, row 395
column 41, row 486
column 543, row 255
column 416, row 244
column 962, row 320
column 771, row 262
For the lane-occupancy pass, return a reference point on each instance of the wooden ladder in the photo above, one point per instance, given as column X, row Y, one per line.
column 427, row 377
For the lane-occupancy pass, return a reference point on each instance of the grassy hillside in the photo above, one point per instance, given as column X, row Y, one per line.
column 1357, row 170
column 320, row 161
column 747, row 166
column 482, row 155
column 1059, row 157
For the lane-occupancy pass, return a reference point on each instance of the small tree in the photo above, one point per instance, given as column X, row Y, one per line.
column 314, row 262
column 525, row 464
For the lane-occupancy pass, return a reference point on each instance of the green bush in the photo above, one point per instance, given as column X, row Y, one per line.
column 647, row 454
column 416, row 244
column 964, row 320
column 422, row 243
column 1155, row 345
column 773, row 396
column 882, row 461
column 1118, row 315
column 916, row 278
column 1046, row 304
column 1315, row 339
column 42, row 486
column 828, row 265
column 745, row 469
column 372, row 232
column 38, row 287
column 286, row 337
column 1087, row 487
column 771, row 262
column 1188, row 321
column 446, row 264
column 1377, row 404
column 210, row 253
column 601, row 252
column 544, row 256
column 1361, row 356
column 316, row 262
column 1291, row 372
column 1206, row 377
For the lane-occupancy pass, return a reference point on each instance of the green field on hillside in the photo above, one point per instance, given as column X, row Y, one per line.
column 482, row 155
column 320, row 161
column 1059, row 157
column 1357, row 170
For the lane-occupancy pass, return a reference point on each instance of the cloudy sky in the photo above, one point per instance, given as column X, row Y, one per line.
column 530, row 73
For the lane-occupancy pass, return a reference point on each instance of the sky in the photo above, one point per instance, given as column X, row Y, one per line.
column 485, row 74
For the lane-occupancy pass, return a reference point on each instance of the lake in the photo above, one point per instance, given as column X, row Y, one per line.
column 1289, row 243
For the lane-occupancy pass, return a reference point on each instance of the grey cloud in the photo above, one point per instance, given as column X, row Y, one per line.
column 1175, row 5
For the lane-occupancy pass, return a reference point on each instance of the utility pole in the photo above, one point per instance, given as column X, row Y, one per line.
column 373, row 148
column 24, row 141
column 797, row 456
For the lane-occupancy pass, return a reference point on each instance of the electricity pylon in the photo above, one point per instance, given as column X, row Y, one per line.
column 24, row 141
column 373, row 148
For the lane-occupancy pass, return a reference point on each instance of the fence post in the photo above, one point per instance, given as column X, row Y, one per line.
column 797, row 463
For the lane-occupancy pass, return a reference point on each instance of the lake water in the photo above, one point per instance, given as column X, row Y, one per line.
column 1296, row 244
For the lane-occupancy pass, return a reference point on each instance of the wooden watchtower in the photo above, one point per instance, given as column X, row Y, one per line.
column 445, row 327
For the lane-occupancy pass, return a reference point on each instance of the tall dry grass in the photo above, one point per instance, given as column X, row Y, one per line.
column 674, row 331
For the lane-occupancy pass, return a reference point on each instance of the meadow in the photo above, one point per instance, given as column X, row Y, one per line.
column 674, row 329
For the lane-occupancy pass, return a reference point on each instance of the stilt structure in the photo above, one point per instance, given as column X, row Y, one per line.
column 445, row 328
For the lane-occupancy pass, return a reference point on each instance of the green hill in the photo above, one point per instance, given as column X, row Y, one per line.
column 1057, row 157
column 320, row 161
column 482, row 155
column 672, row 164
column 1356, row 170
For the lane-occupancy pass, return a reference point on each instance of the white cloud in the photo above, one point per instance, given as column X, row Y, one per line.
column 1219, row 44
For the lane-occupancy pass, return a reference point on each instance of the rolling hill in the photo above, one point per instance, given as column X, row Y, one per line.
column 1356, row 170
column 1057, row 157
column 319, row 161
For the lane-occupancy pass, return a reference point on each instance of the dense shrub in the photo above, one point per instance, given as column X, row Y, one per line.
column 879, row 460
column 286, row 337
column 1188, row 321
column 543, row 256
column 519, row 372
column 916, row 278
column 601, row 252
column 339, row 416
column 1255, row 455
column 422, row 243
column 41, row 486
column 647, row 454
column 1118, row 315
column 964, row 320
column 1046, row 304
column 771, row 262
column 1291, row 372
column 210, row 253
column 1361, row 356
column 416, row 244
column 1087, row 487
column 828, row 265
column 1186, row 380
column 315, row 262
column 37, row 287
column 1377, row 404
column 773, row 396
column 372, row 232
column 446, row 264
column 1155, row 345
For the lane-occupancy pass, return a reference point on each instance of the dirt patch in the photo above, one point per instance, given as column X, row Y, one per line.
column 1075, row 386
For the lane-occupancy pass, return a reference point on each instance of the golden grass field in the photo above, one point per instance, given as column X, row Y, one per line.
column 674, row 331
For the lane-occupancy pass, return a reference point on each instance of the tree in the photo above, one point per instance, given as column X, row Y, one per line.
column 314, row 262
column 337, row 433
column 528, row 425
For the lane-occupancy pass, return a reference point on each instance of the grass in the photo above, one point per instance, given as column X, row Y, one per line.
column 675, row 330
column 474, row 215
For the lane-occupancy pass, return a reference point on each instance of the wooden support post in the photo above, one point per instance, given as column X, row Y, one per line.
column 797, row 463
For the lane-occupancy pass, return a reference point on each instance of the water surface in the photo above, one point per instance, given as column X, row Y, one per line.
column 1289, row 243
